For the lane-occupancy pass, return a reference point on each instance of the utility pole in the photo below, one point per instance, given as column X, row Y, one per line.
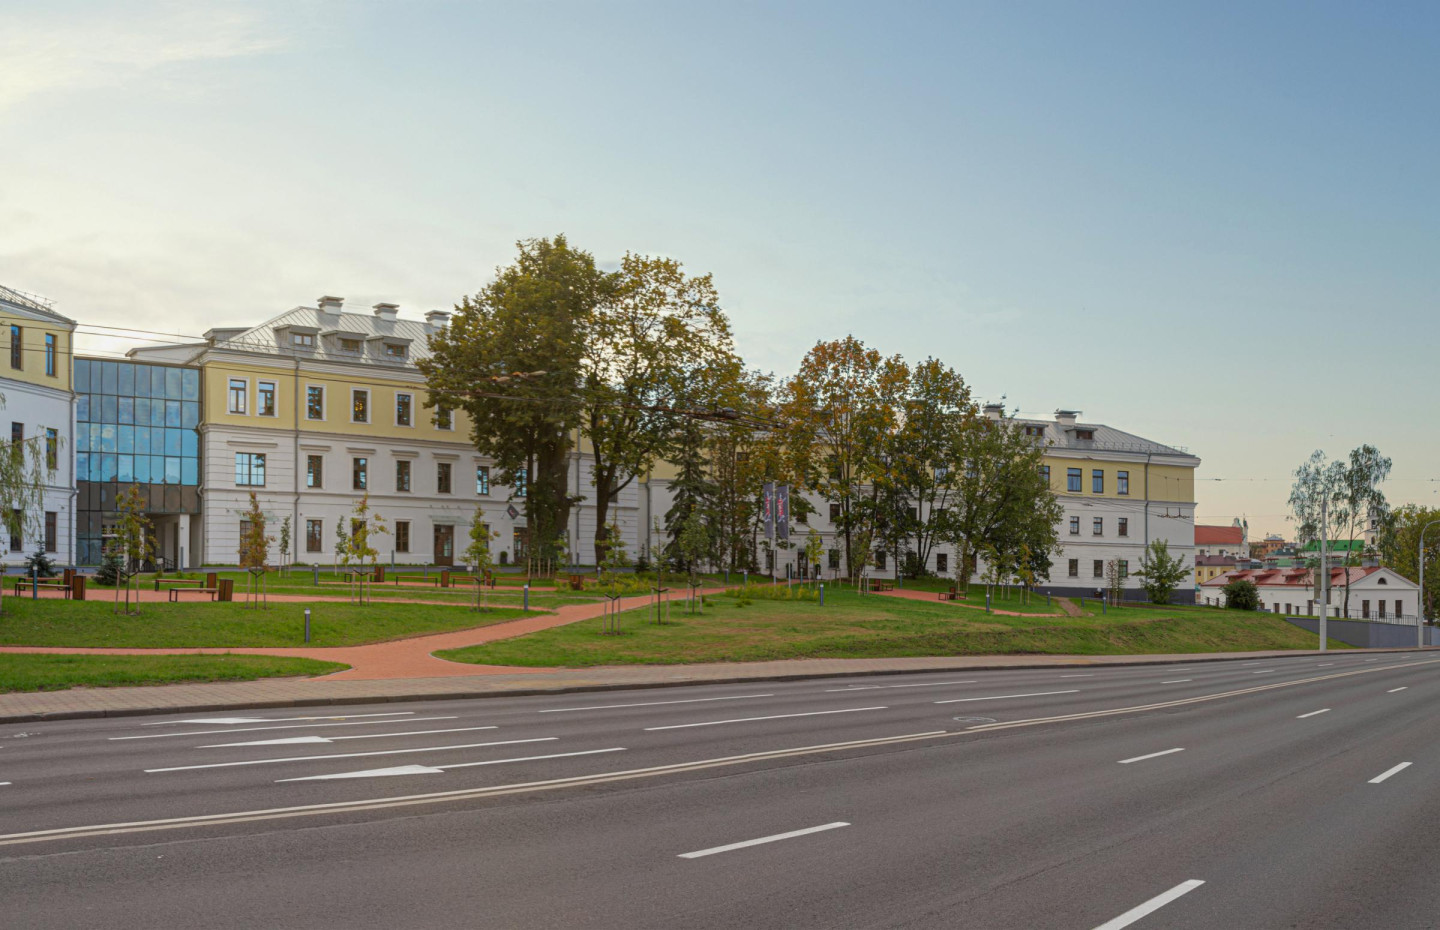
column 1324, row 575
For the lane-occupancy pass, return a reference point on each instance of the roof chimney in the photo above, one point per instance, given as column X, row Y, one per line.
column 386, row 312
column 1067, row 417
column 438, row 319
column 995, row 411
column 330, row 304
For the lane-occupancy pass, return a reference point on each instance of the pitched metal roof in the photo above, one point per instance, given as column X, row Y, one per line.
column 262, row 338
column 32, row 303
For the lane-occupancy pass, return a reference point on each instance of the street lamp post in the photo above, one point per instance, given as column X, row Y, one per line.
column 1420, row 608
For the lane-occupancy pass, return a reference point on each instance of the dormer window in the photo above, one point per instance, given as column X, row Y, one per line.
column 394, row 351
column 302, row 340
column 1034, row 430
column 350, row 345
column 1085, row 434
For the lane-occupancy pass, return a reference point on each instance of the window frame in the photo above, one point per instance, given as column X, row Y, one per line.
column 403, row 470
column 52, row 448
column 1122, row 526
column 356, row 393
column 302, row 340
column 1097, row 481
column 248, row 469
column 1074, row 478
column 17, row 347
column 1122, row 483
column 244, row 397
column 359, row 472
column 402, row 536
column 50, row 346
column 314, row 476
column 1074, row 526
column 447, row 425
column 1099, row 568
column 444, row 477
column 1097, row 526
column 314, row 541
column 1073, row 568
column 409, row 421
column 260, row 387
column 309, row 388
column 52, row 531
column 482, row 480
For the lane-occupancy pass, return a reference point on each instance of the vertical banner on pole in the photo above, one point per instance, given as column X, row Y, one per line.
column 768, row 509
column 782, row 512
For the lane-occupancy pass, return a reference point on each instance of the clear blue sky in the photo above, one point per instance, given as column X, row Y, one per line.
column 1211, row 224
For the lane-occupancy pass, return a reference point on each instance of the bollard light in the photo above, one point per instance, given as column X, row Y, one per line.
column 822, row 594
column 527, row 595
column 307, row 624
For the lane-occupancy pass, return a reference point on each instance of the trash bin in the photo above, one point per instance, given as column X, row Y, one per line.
column 225, row 590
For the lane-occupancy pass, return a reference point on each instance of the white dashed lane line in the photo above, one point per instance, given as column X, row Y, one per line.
column 1151, row 906
column 701, row 853
column 1153, row 755
column 1323, row 710
column 715, row 723
column 1388, row 772
column 348, row 755
column 1001, row 697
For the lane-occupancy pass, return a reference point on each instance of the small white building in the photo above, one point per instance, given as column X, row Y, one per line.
column 1375, row 593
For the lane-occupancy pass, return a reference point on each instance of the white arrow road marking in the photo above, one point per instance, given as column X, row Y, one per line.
column 1149, row 907
column 288, row 726
column 813, row 713
column 439, row 769
column 1001, row 697
column 764, row 839
column 1152, row 755
column 237, row 720
column 737, row 697
column 307, row 740
column 348, row 755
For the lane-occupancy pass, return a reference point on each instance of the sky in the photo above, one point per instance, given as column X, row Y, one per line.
column 1210, row 224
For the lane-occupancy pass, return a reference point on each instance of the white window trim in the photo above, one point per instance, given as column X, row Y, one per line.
column 398, row 395
column 229, row 386
column 324, row 402
column 274, row 395
column 369, row 408
column 435, row 422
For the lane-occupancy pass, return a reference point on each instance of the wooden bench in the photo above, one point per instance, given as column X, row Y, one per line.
column 176, row 592
column 188, row 582
column 43, row 586
column 882, row 586
column 415, row 579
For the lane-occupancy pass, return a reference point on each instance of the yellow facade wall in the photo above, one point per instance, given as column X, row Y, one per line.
column 1167, row 482
column 32, row 357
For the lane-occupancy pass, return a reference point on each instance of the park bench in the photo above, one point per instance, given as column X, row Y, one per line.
column 180, row 582
column 43, row 586
column 414, row 579
column 882, row 586
column 176, row 592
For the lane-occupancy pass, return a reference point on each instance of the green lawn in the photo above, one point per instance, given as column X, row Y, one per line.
column 47, row 622
column 56, row 673
column 852, row 626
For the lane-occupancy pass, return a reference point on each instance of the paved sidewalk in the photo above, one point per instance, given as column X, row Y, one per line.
column 332, row 690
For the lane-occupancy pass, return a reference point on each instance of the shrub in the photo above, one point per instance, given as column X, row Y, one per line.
column 40, row 564
column 1242, row 594
column 109, row 571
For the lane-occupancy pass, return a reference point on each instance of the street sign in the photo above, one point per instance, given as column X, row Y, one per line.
column 514, row 514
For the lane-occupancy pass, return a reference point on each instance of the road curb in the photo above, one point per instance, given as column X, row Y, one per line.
column 462, row 694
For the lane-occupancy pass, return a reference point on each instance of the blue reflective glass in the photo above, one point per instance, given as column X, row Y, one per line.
column 82, row 376
column 82, row 466
column 107, row 468
column 82, row 408
column 95, row 437
column 142, row 439
column 82, row 438
column 173, row 442
column 189, row 471
column 172, row 384
column 109, row 377
column 142, row 411
column 157, row 442
column 142, row 380
column 157, row 413
column 142, row 468
column 127, row 409
column 125, row 439
column 125, row 468
column 109, row 409
column 189, row 414
column 127, row 379
column 189, row 443
column 190, row 389
column 172, row 413
column 107, row 437
column 172, row 470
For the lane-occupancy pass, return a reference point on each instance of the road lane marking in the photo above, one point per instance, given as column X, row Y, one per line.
column 316, row 740
column 1151, row 906
column 1262, row 671
column 1388, row 772
column 2, row 783
column 1077, row 676
column 288, row 726
column 1001, row 697
column 239, row 720
column 1153, row 755
column 923, row 684
column 438, row 797
column 738, row 697
column 1176, row 681
column 1326, row 665
column 346, row 755
column 814, row 713
column 1393, row 690
column 440, row 769
column 1372, row 660
column 699, row 853
column 1323, row 710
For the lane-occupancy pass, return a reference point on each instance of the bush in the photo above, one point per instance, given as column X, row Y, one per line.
column 40, row 564
column 768, row 592
column 1242, row 594
column 109, row 571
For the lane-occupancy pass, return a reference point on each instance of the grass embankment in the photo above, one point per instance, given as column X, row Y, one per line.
column 53, row 622
column 876, row 626
column 57, row 673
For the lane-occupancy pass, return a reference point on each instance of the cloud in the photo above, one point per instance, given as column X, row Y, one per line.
column 47, row 52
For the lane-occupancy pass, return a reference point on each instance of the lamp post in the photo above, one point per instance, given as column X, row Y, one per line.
column 1420, row 608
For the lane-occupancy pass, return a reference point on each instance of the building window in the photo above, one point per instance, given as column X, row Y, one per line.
column 444, row 419
column 17, row 352
column 1074, row 568
column 834, row 513
column 50, row 355
column 1099, row 568
column 1074, row 526
column 250, row 469
column 942, row 562
column 1045, row 473
column 1085, row 434
column 1364, row 605
column 303, row 340
column 880, row 559
column 1124, row 569
column 239, row 388
column 1124, row 528
column 314, row 471
column 17, row 432
column 482, row 480
column 50, row 531
column 265, row 398
column 52, row 449
column 442, row 477
column 402, row 475
column 17, row 520
column 360, row 406
column 1400, row 609
column 314, row 403
column 1097, row 481
column 1122, row 482
column 349, row 345
column 1072, row 480
column 402, row 535
column 520, row 484
column 402, row 409
column 394, row 351
column 314, row 535
column 834, row 559
column 357, row 474
column 1098, row 526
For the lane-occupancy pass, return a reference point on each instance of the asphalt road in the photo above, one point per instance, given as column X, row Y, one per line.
column 1297, row 792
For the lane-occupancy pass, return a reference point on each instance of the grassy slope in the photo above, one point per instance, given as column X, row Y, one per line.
column 26, row 622
column 55, row 673
column 850, row 626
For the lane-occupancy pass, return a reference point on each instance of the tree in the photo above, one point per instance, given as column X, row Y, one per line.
column 40, row 564
column 342, row 543
column 1241, row 594
column 511, row 358
column 254, row 551
column 814, row 551
column 694, row 542
column 692, row 492
column 1115, row 582
column 285, row 544
column 132, row 542
column 477, row 554
column 657, row 347
column 1342, row 497
column 835, row 415
column 1400, row 549
column 616, row 558
column 364, row 524
column 1160, row 572
column 25, row 469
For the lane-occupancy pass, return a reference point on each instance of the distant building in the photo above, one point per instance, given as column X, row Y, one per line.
column 1259, row 550
column 1213, row 566
column 1375, row 593
column 1337, row 551
column 1221, row 540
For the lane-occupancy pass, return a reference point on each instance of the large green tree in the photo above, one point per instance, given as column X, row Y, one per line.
column 511, row 358
column 1342, row 496
column 1400, row 549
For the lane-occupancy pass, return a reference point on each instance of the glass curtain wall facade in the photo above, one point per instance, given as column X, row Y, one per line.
column 136, row 423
